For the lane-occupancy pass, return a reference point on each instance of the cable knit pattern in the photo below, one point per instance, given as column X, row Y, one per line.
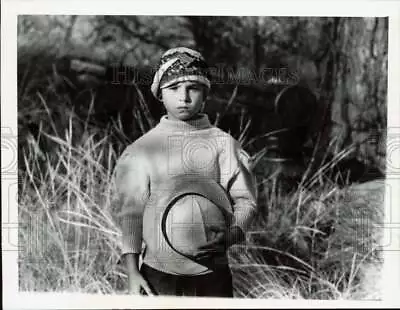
column 178, row 148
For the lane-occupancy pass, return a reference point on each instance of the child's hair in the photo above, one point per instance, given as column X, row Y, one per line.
column 178, row 65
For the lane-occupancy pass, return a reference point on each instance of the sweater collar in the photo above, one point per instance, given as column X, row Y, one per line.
column 202, row 122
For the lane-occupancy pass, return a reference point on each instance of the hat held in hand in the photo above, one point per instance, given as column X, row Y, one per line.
column 189, row 221
column 187, row 210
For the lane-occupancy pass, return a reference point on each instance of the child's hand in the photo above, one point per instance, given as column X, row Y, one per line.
column 137, row 283
column 219, row 245
column 214, row 247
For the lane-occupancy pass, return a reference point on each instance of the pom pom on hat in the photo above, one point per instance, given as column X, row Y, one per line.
column 177, row 65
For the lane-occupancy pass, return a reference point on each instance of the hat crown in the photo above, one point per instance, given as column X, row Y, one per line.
column 189, row 222
column 182, row 50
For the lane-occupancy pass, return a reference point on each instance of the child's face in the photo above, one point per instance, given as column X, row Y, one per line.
column 184, row 100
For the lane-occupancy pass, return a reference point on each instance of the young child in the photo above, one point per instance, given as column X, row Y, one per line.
column 184, row 143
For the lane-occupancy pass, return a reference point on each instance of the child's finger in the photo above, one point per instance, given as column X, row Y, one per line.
column 205, row 252
column 205, row 255
column 211, row 244
column 215, row 228
column 210, row 248
column 147, row 289
column 206, row 246
column 204, row 260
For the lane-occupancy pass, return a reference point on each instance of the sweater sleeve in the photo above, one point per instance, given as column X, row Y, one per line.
column 132, row 188
column 240, row 184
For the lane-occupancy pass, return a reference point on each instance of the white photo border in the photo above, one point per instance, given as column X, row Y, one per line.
column 9, row 13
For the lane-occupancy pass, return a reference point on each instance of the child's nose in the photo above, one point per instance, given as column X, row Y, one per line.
column 184, row 94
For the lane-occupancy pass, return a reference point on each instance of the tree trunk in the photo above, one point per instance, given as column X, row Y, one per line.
column 359, row 97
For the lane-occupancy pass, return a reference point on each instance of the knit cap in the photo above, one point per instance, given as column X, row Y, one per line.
column 177, row 65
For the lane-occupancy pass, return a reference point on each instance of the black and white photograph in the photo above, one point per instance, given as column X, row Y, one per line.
column 218, row 156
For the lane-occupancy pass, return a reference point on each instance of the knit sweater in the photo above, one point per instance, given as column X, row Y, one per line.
column 174, row 148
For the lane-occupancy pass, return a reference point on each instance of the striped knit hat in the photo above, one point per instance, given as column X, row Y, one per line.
column 177, row 65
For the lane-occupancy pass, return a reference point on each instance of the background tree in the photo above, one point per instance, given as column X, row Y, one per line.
column 342, row 60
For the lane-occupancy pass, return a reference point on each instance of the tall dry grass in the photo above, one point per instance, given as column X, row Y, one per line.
column 313, row 244
column 68, row 235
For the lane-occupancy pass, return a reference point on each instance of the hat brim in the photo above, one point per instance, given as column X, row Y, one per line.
column 188, row 78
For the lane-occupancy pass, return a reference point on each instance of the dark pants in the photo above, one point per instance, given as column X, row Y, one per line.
column 215, row 284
